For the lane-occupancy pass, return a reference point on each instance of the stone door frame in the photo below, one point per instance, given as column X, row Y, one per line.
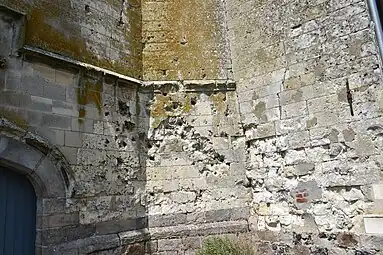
column 44, row 166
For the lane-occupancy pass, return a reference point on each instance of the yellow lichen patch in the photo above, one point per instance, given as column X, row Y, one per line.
column 89, row 92
column 133, row 35
column 219, row 102
column 165, row 106
column 193, row 34
column 19, row 5
column 115, row 3
column 41, row 34
column 55, row 26
column 187, row 107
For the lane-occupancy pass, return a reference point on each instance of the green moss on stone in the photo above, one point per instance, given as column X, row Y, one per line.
column 13, row 117
column 52, row 26
column 219, row 101
column 89, row 93
column 169, row 106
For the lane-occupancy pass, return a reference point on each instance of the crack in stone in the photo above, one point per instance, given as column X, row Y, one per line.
column 349, row 97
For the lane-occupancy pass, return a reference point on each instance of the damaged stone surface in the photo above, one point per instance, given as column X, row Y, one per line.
column 303, row 72
column 195, row 155
column 280, row 155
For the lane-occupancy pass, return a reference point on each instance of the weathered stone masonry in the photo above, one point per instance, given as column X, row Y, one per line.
column 310, row 95
column 255, row 118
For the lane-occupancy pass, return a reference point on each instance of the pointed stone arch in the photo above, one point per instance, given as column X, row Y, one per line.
column 44, row 166
column 41, row 162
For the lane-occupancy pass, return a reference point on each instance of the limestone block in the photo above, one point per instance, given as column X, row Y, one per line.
column 261, row 131
column 378, row 191
column 297, row 140
column 291, row 125
column 373, row 225
column 25, row 156
column 295, row 156
column 170, row 245
column 183, row 196
column 73, row 139
column 56, row 121
column 294, row 110
column 340, row 173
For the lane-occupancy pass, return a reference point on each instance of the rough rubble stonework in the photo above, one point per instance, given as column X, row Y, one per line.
column 257, row 119
column 310, row 96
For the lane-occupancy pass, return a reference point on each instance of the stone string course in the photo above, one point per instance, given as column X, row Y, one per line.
column 287, row 154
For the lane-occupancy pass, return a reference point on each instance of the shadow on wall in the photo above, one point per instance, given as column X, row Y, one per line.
column 106, row 34
column 100, row 124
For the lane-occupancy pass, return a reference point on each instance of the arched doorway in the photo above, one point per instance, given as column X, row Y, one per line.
column 35, row 181
column 17, row 214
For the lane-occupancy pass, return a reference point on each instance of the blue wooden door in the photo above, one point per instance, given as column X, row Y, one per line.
column 17, row 214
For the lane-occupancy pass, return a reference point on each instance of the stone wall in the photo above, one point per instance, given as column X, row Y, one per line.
column 195, row 164
column 104, row 33
column 185, row 40
column 154, row 161
column 287, row 154
column 310, row 93
column 98, row 122
column 93, row 121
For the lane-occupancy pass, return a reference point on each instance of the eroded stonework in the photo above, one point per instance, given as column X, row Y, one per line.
column 309, row 88
column 288, row 154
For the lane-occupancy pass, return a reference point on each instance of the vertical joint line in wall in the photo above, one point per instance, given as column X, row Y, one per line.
column 14, row 38
column 279, row 105
column 281, row 89
column 121, row 22
column 283, row 78
column 349, row 97
column 227, row 38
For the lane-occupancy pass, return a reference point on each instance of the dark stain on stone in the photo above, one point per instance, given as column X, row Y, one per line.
column 297, row 238
column 333, row 136
column 347, row 240
column 123, row 109
column 259, row 111
column 3, row 63
column 349, row 135
column 361, row 252
column 255, row 96
column 297, row 96
column 128, row 126
column 349, row 98
column 319, row 251
column 119, row 160
column 312, row 122
column 122, row 144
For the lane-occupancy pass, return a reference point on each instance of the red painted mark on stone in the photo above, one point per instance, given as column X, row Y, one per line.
column 301, row 196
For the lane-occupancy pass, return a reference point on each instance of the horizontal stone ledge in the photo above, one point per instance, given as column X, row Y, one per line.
column 87, row 245
column 33, row 51
column 189, row 86
column 134, row 236
column 118, row 226
column 199, row 230
column 167, row 220
column 207, row 87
